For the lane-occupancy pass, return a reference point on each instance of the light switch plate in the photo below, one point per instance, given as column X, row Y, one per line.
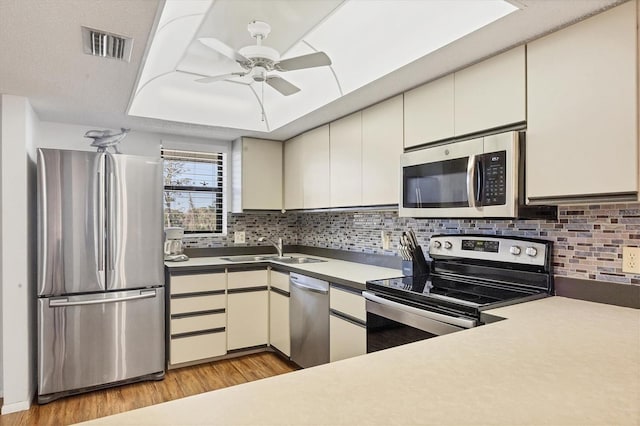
column 631, row 260
column 239, row 237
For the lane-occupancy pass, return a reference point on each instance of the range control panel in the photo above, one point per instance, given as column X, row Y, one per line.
column 489, row 248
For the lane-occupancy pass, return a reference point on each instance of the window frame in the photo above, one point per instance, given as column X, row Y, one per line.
column 220, row 190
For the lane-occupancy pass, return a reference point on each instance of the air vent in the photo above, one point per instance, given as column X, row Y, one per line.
column 106, row 45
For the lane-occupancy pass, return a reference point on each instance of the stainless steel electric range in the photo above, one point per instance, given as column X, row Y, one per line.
column 468, row 275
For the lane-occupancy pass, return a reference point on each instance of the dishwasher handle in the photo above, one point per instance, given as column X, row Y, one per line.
column 310, row 286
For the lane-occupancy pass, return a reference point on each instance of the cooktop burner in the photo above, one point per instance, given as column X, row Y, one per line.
column 426, row 286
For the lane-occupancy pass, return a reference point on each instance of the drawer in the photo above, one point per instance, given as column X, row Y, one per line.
column 243, row 279
column 280, row 280
column 348, row 303
column 193, row 348
column 197, row 323
column 197, row 283
column 346, row 339
column 198, row 303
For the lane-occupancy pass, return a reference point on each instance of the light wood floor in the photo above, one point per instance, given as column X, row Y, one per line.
column 177, row 384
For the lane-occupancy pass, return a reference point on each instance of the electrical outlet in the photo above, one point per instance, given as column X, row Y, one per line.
column 386, row 240
column 239, row 237
column 631, row 260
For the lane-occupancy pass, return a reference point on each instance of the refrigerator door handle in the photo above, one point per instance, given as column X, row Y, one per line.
column 101, row 224
column 144, row 294
column 111, row 212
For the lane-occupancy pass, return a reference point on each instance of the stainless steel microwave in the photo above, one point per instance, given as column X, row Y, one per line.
column 482, row 177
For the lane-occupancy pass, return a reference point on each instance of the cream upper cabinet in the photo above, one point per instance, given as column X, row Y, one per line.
column 582, row 142
column 315, row 168
column 491, row 93
column 257, row 174
column 346, row 161
column 429, row 112
column 382, row 139
column 293, row 173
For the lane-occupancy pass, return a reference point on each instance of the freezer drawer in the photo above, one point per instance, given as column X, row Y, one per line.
column 92, row 340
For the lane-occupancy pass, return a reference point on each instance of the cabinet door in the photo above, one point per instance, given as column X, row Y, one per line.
column 197, row 347
column 428, row 112
column 293, row 173
column 582, row 111
column 491, row 93
column 247, row 319
column 315, row 165
column 346, row 340
column 279, row 335
column 197, row 283
column 261, row 174
column 248, row 279
column 346, row 161
column 382, row 137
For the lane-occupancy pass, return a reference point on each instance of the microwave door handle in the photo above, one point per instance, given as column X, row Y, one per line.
column 471, row 178
column 479, row 178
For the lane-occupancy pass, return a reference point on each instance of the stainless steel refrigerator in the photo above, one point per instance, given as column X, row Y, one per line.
column 100, row 291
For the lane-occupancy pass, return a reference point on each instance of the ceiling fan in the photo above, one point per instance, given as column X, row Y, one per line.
column 258, row 60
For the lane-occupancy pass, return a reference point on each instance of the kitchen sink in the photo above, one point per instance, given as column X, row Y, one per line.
column 297, row 260
column 250, row 258
column 274, row 257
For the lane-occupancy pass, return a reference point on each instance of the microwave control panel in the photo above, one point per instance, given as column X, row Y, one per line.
column 494, row 174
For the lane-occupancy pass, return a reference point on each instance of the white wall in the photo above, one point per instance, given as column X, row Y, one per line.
column 71, row 136
column 17, row 251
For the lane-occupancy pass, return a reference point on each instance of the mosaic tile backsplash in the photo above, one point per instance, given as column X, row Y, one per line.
column 588, row 240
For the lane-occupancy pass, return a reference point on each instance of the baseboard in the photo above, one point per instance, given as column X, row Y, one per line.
column 15, row 407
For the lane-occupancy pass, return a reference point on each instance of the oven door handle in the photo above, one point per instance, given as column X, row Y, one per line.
column 460, row 322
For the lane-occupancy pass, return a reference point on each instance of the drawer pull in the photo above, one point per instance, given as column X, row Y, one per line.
column 198, row 333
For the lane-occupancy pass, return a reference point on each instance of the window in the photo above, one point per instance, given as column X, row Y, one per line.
column 194, row 191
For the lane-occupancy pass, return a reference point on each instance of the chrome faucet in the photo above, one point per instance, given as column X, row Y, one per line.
column 277, row 245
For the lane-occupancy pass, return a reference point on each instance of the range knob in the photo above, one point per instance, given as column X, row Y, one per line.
column 437, row 244
column 448, row 245
column 515, row 250
column 531, row 251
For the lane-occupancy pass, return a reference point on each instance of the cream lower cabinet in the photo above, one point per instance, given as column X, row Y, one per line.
column 247, row 309
column 582, row 140
column 279, row 331
column 347, row 324
column 197, row 317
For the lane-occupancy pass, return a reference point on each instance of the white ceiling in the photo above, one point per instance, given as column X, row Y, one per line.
column 41, row 57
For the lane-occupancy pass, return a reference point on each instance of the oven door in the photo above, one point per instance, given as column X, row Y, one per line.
column 391, row 323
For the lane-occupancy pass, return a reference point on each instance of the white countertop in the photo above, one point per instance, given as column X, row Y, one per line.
column 554, row 361
column 349, row 271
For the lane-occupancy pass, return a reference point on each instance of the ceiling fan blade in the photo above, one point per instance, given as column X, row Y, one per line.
column 220, row 47
column 220, row 77
column 282, row 85
column 311, row 60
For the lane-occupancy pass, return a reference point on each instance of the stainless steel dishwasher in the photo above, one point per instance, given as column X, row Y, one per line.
column 309, row 311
